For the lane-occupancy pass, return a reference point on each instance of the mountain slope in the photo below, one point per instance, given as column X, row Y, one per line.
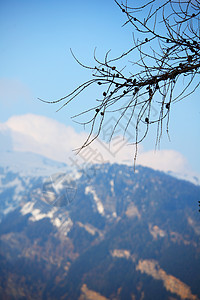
column 116, row 235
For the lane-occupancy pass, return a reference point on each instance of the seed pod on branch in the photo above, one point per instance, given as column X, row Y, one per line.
column 166, row 40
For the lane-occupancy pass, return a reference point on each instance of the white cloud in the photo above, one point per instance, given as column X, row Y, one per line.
column 54, row 140
column 5, row 138
column 163, row 160
column 42, row 135
column 169, row 161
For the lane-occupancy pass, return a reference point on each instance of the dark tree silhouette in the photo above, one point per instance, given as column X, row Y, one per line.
column 165, row 55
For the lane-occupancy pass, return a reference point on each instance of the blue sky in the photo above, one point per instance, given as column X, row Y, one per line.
column 35, row 61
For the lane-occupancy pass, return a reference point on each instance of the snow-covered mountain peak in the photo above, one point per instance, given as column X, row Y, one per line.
column 30, row 164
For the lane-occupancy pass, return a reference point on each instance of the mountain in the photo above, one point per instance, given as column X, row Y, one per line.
column 105, row 233
column 22, row 171
column 29, row 164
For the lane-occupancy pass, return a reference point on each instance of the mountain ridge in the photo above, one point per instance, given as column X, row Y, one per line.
column 28, row 163
column 118, row 234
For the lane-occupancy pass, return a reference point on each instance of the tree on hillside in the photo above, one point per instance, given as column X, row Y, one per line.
column 146, row 77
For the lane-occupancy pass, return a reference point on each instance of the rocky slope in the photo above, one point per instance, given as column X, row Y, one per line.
column 118, row 234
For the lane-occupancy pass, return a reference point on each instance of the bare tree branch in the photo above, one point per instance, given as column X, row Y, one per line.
column 166, row 48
